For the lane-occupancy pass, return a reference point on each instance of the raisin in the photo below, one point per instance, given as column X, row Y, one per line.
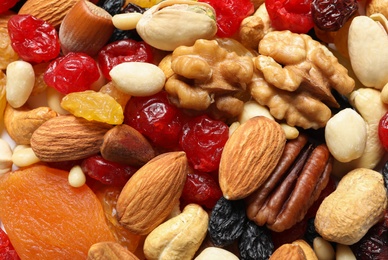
column 374, row 245
column 203, row 140
column 112, row 6
column 311, row 233
column 229, row 15
column 331, row 15
column 123, row 51
column 202, row 189
column 74, row 72
column 107, row 172
column 292, row 15
column 33, row 39
column 383, row 131
column 255, row 242
column 7, row 251
column 227, row 221
column 384, row 171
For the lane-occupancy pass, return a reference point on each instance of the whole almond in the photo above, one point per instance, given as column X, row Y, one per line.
column 52, row 11
column 151, row 193
column 65, row 138
column 249, row 156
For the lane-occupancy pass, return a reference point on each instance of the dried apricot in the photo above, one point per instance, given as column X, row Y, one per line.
column 46, row 218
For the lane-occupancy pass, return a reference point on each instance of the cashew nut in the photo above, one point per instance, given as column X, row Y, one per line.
column 216, row 253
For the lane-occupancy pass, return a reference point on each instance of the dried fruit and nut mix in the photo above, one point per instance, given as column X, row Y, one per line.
column 180, row 129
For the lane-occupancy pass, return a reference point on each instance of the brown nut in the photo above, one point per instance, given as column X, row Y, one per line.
column 109, row 251
column 124, row 144
column 288, row 251
column 302, row 173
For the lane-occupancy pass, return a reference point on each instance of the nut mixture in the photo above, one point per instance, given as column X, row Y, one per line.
column 304, row 150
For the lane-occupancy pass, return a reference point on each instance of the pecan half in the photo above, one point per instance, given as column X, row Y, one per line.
column 296, row 183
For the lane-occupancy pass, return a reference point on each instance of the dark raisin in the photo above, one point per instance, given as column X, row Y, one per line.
column 331, row 15
column 132, row 8
column 113, row 6
column 385, row 174
column 311, row 232
column 255, row 242
column 227, row 221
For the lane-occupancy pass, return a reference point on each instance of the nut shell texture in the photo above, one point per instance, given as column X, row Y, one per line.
column 249, row 156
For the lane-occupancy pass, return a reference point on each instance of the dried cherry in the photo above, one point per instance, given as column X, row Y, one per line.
column 331, row 15
column 123, row 51
column 293, row 15
column 156, row 118
column 383, row 131
column 5, row 5
column 7, row 251
column 74, row 72
column 33, row 39
column 296, row 232
column 229, row 14
column 202, row 189
column 107, row 172
column 227, row 221
column 255, row 242
column 203, row 140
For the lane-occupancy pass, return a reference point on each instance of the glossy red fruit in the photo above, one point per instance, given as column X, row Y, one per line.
column 293, row 15
column 107, row 172
column 383, row 131
column 156, row 118
column 229, row 14
column 74, row 72
column 203, row 140
column 290, row 235
column 5, row 5
column 33, row 39
column 200, row 188
column 123, row 51
column 7, row 252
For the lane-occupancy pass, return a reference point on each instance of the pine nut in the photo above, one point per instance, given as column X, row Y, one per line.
column 343, row 252
column 76, row 177
column 23, row 156
column 323, row 249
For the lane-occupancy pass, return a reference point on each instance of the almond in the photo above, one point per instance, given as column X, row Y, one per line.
column 249, row 156
column 288, row 251
column 65, row 138
column 151, row 193
column 52, row 11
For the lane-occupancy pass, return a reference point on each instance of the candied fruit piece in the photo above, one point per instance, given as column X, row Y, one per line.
column 95, row 106
column 7, row 252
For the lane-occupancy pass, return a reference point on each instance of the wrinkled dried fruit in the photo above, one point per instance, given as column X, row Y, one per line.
column 227, row 221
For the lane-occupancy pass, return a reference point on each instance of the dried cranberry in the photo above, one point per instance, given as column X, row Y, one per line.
column 331, row 15
column 33, row 39
column 374, row 245
column 293, row 15
column 123, row 51
column 202, row 189
column 383, row 131
column 155, row 118
column 74, row 72
column 5, row 5
column 296, row 232
column 110, row 173
column 203, row 140
column 7, row 251
column 229, row 14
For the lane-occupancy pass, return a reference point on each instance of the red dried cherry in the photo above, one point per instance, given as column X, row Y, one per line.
column 296, row 232
column 229, row 14
column 7, row 251
column 293, row 15
column 107, row 172
column 74, row 72
column 203, row 140
column 5, row 5
column 156, row 118
column 123, row 51
column 383, row 131
column 202, row 189
column 33, row 39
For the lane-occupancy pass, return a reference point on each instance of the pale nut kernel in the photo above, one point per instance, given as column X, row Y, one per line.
column 216, row 253
column 76, row 177
column 23, row 156
column 5, row 157
column 323, row 249
column 174, row 23
column 353, row 208
column 20, row 82
column 126, row 21
column 343, row 252
column 138, row 78
column 345, row 144
column 179, row 237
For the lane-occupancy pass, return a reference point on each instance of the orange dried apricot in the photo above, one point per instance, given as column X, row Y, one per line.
column 46, row 218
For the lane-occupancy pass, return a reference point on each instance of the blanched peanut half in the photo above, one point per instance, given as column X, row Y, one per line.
column 23, row 156
column 138, row 78
column 345, row 135
column 216, row 253
column 126, row 21
column 5, row 157
column 323, row 249
column 20, row 82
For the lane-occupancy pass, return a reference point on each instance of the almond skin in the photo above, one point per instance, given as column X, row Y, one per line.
column 66, row 138
column 151, row 193
column 249, row 156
